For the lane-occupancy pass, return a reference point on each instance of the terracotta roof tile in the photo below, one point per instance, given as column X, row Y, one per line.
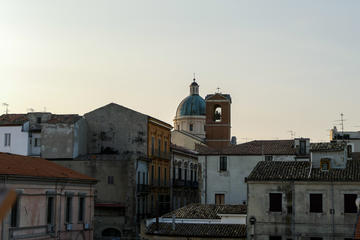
column 64, row 118
column 208, row 211
column 300, row 171
column 327, row 146
column 198, row 230
column 13, row 119
column 11, row 164
column 257, row 147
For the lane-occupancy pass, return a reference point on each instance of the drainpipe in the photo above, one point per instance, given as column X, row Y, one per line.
column 332, row 211
column 205, row 179
column 293, row 211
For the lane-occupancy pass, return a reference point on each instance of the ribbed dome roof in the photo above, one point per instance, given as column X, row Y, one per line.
column 193, row 105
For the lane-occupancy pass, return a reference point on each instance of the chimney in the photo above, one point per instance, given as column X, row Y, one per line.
column 233, row 140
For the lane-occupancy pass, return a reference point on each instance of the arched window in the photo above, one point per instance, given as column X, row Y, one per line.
column 217, row 114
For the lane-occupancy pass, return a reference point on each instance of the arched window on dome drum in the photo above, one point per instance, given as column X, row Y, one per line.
column 217, row 114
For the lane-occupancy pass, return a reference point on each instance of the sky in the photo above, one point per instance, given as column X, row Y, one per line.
column 288, row 65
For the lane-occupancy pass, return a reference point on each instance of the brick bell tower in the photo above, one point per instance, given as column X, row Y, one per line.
column 218, row 120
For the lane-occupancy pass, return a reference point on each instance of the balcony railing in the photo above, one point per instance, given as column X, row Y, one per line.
column 162, row 155
column 143, row 188
column 183, row 183
column 161, row 184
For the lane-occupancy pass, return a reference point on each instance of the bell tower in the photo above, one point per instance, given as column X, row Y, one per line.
column 218, row 120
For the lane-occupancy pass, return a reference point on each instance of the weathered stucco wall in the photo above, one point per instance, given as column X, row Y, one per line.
column 116, row 129
column 302, row 223
column 32, row 210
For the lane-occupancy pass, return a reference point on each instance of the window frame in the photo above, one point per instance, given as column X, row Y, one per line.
column 273, row 206
column 7, row 139
column 222, row 198
column 68, row 218
column 313, row 208
column 223, row 163
column 350, row 209
column 81, row 208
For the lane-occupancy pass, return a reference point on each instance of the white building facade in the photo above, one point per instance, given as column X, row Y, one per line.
column 224, row 172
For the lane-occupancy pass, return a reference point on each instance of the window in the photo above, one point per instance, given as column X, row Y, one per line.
column 268, row 158
column 7, row 139
column 185, row 174
column 195, row 175
column 179, row 173
column 159, row 175
column 50, row 210
column 139, row 176
column 219, row 199
column 191, row 127
column 15, row 214
column 275, row 238
column 349, row 203
column 302, row 147
column 81, row 209
column 217, row 114
column 349, row 151
column 38, row 120
column 223, row 163
column 165, row 176
column 144, row 180
column 325, row 164
column 37, row 142
column 316, row 203
column 68, row 210
column 316, row 238
column 152, row 174
column 191, row 175
column 110, row 179
column 275, row 200
column 152, row 146
column 159, row 147
column 165, row 147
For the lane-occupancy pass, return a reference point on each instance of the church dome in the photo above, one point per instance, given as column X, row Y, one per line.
column 193, row 105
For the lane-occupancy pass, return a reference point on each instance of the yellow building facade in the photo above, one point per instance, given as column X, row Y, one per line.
column 159, row 138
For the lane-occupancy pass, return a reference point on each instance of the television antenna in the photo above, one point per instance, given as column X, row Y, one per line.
column 292, row 133
column 341, row 120
column 6, row 105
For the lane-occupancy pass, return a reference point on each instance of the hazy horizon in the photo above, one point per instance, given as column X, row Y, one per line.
column 287, row 65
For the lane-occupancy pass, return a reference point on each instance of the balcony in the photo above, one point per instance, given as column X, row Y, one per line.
column 183, row 183
column 143, row 188
column 160, row 184
column 161, row 155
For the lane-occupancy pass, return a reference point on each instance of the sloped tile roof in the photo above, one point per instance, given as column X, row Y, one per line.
column 64, row 118
column 198, row 230
column 257, row 147
column 208, row 211
column 300, row 171
column 17, row 165
column 327, row 146
column 12, row 119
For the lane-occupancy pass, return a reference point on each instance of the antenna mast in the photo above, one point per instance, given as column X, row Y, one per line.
column 6, row 108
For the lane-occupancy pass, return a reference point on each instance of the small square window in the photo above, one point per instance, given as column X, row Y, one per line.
column 191, row 127
column 349, row 203
column 219, row 199
column 275, row 202
column 223, row 163
column 316, row 203
column 110, row 179
column 325, row 164
column 268, row 158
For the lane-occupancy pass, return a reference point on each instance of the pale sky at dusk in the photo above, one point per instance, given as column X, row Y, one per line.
column 288, row 65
